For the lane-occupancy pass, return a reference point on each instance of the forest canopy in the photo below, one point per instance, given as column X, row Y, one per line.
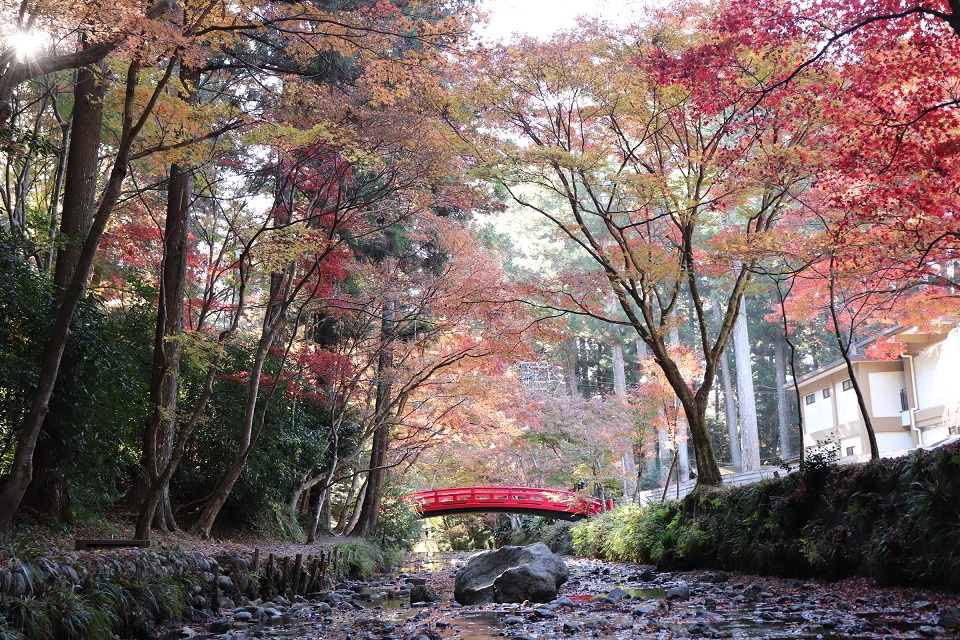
column 273, row 264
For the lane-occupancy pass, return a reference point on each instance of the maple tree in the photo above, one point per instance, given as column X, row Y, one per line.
column 661, row 170
column 894, row 109
column 880, row 215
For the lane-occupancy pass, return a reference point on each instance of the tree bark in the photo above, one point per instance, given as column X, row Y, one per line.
column 570, row 367
column 347, row 503
column 357, row 510
column 681, row 444
column 619, row 368
column 164, row 378
column 746, row 397
column 729, row 402
column 376, row 474
column 215, row 503
column 783, row 407
column 48, row 490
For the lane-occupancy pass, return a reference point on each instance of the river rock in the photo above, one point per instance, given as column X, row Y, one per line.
column 645, row 575
column 618, row 594
column 949, row 618
column 718, row 577
column 563, row 602
column 221, row 625
column 680, row 592
column 572, row 626
column 511, row 574
column 423, row 593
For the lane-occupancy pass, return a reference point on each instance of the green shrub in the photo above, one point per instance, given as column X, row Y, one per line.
column 398, row 527
column 893, row 520
column 361, row 558
column 528, row 529
column 465, row 532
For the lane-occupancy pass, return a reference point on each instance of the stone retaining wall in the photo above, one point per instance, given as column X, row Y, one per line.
column 205, row 583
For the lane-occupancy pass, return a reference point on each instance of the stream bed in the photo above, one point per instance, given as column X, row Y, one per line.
column 601, row 600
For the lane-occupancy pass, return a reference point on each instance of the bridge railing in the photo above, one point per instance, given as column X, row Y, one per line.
column 520, row 497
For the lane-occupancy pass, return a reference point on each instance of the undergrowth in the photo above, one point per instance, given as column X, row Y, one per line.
column 897, row 521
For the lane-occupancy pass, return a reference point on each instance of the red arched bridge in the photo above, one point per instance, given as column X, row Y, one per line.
column 550, row 503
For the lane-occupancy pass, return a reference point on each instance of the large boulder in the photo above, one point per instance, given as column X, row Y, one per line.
column 511, row 574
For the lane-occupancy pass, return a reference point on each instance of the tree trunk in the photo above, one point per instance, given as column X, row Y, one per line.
column 347, row 503
column 281, row 294
column 159, row 433
column 320, row 509
column 357, row 510
column 619, row 368
column 729, row 402
column 48, row 490
column 746, row 397
column 164, row 379
column 783, row 407
column 848, row 348
column 59, row 178
column 570, row 367
column 83, row 164
column 21, row 468
column 682, row 436
column 780, row 300
column 215, row 503
column 377, row 472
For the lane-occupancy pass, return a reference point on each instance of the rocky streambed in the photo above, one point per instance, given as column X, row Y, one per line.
column 601, row 600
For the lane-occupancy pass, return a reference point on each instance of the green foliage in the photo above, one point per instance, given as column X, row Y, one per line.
column 894, row 520
column 106, row 403
column 76, row 617
column 526, row 529
column 25, row 308
column 362, row 558
column 398, row 527
column 31, row 616
column 7, row 632
column 100, row 401
column 465, row 532
column 296, row 438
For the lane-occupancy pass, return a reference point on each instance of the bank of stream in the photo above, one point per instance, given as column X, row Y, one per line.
column 601, row 600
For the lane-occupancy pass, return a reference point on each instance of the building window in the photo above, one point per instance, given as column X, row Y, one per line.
column 847, row 384
column 849, row 451
column 810, row 399
column 904, row 402
column 826, row 392
column 954, row 430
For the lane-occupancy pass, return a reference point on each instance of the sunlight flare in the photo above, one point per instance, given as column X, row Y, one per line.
column 26, row 44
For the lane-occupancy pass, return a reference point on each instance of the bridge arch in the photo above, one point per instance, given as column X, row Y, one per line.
column 550, row 503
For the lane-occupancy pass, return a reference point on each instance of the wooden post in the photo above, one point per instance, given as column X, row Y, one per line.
column 254, row 588
column 270, row 590
column 324, row 561
column 215, row 589
column 295, row 582
column 314, row 565
column 285, row 576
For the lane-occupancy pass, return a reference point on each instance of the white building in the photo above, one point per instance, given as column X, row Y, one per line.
column 906, row 398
